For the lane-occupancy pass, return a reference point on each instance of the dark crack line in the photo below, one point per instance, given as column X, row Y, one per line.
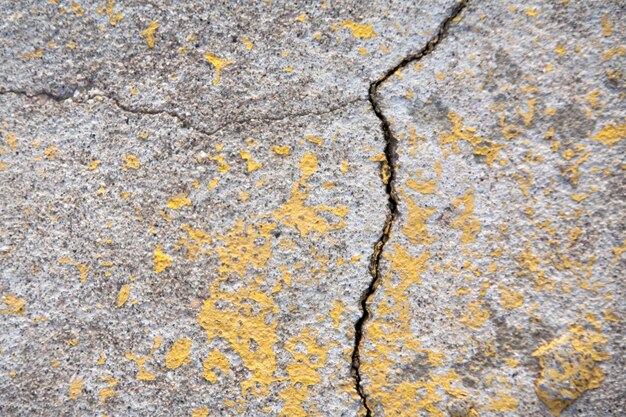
column 392, row 199
column 184, row 122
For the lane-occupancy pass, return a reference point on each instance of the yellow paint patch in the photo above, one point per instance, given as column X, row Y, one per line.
column 467, row 223
column 178, row 354
column 93, row 164
column 11, row 140
column 475, row 316
column 162, row 261
column 359, row 30
column 252, row 165
column 15, row 305
column 122, row 295
column 611, row 134
column 281, row 150
column 504, row 402
column 481, row 146
column 218, row 64
column 424, row 187
column 150, row 34
column 510, row 299
column 179, row 201
column 51, row 152
column 107, row 392
column 142, row 373
column 76, row 388
column 415, row 229
column 200, row 412
column 132, row 162
column 314, row 139
column 568, row 367
column 215, row 360
column 305, row 218
column 83, row 269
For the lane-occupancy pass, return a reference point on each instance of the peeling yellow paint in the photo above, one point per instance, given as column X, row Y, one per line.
column 415, row 228
column 76, row 388
column 83, row 269
column 123, row 295
column 611, row 134
column 16, row 305
column 305, row 218
column 132, row 162
column 218, row 64
column 150, row 34
column 179, row 201
column 215, row 360
column 178, row 354
column 162, row 261
column 359, row 30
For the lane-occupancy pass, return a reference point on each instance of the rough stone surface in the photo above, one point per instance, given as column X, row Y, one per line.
column 334, row 208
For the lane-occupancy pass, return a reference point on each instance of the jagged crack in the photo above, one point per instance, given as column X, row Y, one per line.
column 392, row 200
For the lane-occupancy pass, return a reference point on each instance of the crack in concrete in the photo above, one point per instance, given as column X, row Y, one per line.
column 184, row 122
column 392, row 199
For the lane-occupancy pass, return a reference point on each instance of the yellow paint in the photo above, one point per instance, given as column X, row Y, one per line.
column 359, row 30
column 195, row 242
column 424, row 187
column 504, row 402
column 252, row 165
column 611, row 133
column 314, row 139
column 481, row 146
column 107, row 392
column 11, row 140
column 200, row 412
column 218, row 64
column 150, row 34
column 122, row 295
column 338, row 309
column 305, row 218
column 303, row 373
column 212, row 184
column 114, row 17
column 142, row 373
column 529, row 114
column 249, row 44
column 38, row 53
column 510, row 299
column 162, row 261
column 475, row 316
column 579, row 197
column 407, row 266
column 607, row 27
column 179, row 201
column 560, row 49
column 344, row 167
column 93, row 164
column 281, row 150
column 569, row 367
column 415, row 228
column 467, row 223
column 76, row 388
column 51, row 152
column 16, row 305
column 178, row 354
column 132, row 162
column 83, row 269
column 215, row 360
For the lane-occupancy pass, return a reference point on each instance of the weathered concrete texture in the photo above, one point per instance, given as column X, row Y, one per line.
column 193, row 198
column 501, row 286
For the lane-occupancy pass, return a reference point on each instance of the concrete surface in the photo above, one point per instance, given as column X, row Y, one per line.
column 333, row 208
